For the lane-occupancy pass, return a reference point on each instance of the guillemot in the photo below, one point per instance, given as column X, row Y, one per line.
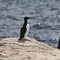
column 25, row 28
column 58, row 44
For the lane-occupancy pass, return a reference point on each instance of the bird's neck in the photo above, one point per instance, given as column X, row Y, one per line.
column 25, row 22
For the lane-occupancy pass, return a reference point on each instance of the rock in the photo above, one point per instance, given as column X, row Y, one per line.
column 27, row 49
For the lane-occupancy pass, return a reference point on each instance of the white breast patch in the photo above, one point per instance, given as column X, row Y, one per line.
column 27, row 30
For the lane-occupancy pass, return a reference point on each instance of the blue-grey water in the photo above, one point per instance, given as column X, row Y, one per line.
column 45, row 25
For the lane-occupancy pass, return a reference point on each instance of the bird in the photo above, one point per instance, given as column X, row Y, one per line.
column 25, row 28
column 58, row 44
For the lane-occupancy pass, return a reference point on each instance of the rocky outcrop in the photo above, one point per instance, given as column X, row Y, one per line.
column 27, row 49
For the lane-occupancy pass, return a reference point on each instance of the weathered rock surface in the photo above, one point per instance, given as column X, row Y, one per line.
column 26, row 49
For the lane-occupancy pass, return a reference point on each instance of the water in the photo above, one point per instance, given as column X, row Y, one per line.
column 44, row 27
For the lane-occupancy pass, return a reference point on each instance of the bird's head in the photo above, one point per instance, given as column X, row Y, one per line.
column 25, row 18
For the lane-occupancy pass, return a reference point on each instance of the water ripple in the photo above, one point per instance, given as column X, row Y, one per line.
column 13, row 18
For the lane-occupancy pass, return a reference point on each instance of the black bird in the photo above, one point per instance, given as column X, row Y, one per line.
column 25, row 28
column 59, row 43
